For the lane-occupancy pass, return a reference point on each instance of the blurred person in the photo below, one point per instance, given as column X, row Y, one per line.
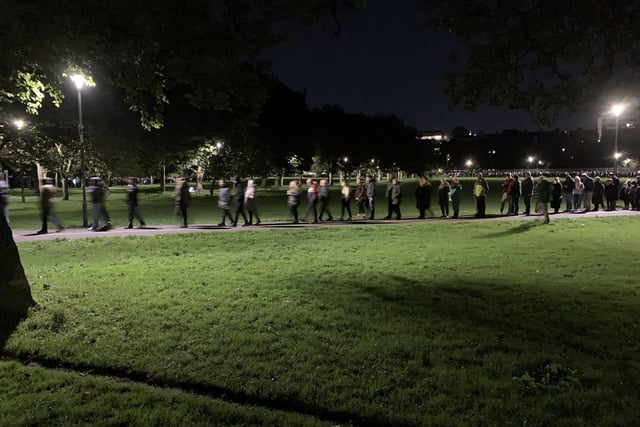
column 597, row 194
column 454, row 195
column 624, row 193
column 47, row 202
column 250, row 202
column 567, row 192
column 323, row 199
column 505, row 201
column 543, row 195
column 345, row 198
column 224, row 199
column 371, row 195
column 396, row 198
column 556, row 194
column 4, row 199
column 312, row 198
column 578, row 192
column 610, row 194
column 587, row 196
column 361, row 198
column 293, row 199
column 98, row 198
column 480, row 191
column 423, row 197
column 388, row 196
column 132, row 203
column 443, row 197
column 515, row 192
column 238, row 197
column 182, row 197
column 527, row 192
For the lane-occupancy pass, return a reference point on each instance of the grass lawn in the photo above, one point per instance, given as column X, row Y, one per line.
column 468, row 323
column 159, row 209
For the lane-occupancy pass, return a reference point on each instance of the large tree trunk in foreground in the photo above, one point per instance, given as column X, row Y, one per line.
column 15, row 293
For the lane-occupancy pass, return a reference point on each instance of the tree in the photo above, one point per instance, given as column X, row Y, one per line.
column 540, row 56
column 148, row 49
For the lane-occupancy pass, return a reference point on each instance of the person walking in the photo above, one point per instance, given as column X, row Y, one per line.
column 515, row 192
column 527, row 192
column 224, row 199
column 323, row 199
column 132, row 203
column 578, row 192
column 47, row 202
column 345, row 197
column 443, row 197
column 423, row 197
column 556, row 195
column 543, row 195
column 454, row 195
column 312, row 198
column 238, row 197
column 480, row 190
column 396, row 198
column 598, row 193
column 505, row 202
column 293, row 199
column 567, row 192
column 587, row 196
column 361, row 198
column 98, row 198
column 182, row 197
column 250, row 202
column 388, row 196
column 371, row 196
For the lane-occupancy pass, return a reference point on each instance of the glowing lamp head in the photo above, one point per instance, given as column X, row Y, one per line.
column 468, row 163
column 530, row 159
column 18, row 123
column 79, row 81
column 617, row 155
column 617, row 109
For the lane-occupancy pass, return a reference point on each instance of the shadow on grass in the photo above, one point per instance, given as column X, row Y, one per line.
column 522, row 227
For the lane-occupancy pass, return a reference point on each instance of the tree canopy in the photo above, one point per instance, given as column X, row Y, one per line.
column 539, row 55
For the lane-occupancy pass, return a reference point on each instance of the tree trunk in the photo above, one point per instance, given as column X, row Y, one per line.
column 15, row 293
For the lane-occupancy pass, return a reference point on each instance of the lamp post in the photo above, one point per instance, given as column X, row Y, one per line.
column 616, row 110
column 80, row 82
column 19, row 124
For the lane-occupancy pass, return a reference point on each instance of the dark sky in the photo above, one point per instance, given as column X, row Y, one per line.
column 389, row 60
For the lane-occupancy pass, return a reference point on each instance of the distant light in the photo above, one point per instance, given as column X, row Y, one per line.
column 628, row 125
column 563, row 149
column 219, row 145
column 346, row 159
column 79, row 80
column 530, row 159
column 539, row 162
column 19, row 123
column 468, row 163
column 617, row 155
column 617, row 109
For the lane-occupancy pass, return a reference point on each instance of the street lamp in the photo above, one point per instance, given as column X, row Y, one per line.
column 19, row 124
column 80, row 81
column 616, row 110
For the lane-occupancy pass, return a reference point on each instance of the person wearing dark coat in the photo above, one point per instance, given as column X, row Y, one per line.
column 556, row 194
column 293, row 199
column 454, row 195
column 443, row 198
column 515, row 193
column 423, row 197
column 132, row 203
column 396, row 197
column 567, row 192
column 598, row 193
column 238, row 197
column 371, row 195
column 388, row 196
column 182, row 197
column 610, row 194
column 323, row 199
column 527, row 192
column 543, row 195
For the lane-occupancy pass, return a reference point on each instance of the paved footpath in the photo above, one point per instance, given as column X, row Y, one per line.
column 81, row 233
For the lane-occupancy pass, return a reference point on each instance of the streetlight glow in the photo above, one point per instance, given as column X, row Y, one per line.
column 530, row 159
column 617, row 109
column 79, row 80
column 19, row 124
column 469, row 163
column 617, row 155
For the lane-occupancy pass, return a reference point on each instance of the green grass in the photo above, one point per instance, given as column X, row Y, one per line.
column 470, row 323
column 272, row 204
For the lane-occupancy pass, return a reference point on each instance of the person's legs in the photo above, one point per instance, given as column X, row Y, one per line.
column 372, row 208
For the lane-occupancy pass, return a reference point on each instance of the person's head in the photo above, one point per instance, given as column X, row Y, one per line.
column 132, row 181
column 456, row 181
column 527, row 174
column 443, row 181
column 597, row 179
column 309, row 181
column 344, row 182
column 577, row 179
column 509, row 176
column 541, row 178
column 423, row 182
column 480, row 176
column 394, row 180
column 515, row 177
column 221, row 183
column 369, row 178
column 293, row 184
column 556, row 179
column 323, row 183
column 251, row 183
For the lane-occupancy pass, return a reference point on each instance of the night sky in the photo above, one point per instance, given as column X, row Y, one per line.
column 388, row 59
